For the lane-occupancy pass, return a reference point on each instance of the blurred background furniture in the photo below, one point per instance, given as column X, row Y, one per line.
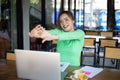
column 106, row 33
column 95, row 33
column 89, row 50
column 10, row 55
column 112, row 53
column 102, row 43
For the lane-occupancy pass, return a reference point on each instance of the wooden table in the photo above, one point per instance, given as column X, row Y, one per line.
column 8, row 72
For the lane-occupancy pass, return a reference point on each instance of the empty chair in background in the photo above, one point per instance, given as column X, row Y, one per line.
column 112, row 53
column 103, row 43
column 89, row 50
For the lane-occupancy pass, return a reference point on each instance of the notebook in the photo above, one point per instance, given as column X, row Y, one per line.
column 38, row 65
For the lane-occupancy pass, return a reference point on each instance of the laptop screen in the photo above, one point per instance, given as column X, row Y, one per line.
column 38, row 65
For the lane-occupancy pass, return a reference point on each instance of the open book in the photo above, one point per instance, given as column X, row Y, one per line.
column 63, row 66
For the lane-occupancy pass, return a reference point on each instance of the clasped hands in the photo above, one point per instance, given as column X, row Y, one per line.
column 40, row 32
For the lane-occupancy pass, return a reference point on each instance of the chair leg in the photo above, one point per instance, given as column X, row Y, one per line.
column 95, row 63
column 117, row 64
column 103, row 62
column 98, row 58
column 81, row 59
column 113, row 61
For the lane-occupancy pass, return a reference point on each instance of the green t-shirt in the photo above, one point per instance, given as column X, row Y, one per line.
column 69, row 45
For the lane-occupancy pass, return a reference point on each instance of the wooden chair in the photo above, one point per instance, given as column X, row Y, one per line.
column 95, row 33
column 10, row 55
column 106, row 34
column 112, row 53
column 102, row 44
column 89, row 50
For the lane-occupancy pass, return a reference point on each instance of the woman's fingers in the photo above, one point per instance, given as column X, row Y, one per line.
column 43, row 41
column 41, row 28
column 38, row 26
column 37, row 32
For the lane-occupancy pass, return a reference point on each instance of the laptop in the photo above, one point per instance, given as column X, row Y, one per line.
column 38, row 65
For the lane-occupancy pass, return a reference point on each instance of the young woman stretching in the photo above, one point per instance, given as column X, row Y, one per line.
column 69, row 40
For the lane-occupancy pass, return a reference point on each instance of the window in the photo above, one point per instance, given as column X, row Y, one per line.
column 95, row 14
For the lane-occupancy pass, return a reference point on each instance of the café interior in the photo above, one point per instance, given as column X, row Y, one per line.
column 99, row 19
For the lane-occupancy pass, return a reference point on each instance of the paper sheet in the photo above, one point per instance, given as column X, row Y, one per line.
column 63, row 66
column 91, row 71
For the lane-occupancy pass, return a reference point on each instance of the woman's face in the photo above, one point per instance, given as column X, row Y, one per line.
column 66, row 23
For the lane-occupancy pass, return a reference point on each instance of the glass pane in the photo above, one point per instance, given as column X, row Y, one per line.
column 50, row 12
column 117, row 14
column 35, row 12
column 35, row 19
column 79, row 14
column 5, row 19
column 96, row 14
column 55, row 10
column 8, row 25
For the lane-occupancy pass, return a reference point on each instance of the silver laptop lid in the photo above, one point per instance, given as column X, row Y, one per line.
column 38, row 65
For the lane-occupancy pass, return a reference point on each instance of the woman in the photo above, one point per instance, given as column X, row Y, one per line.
column 69, row 40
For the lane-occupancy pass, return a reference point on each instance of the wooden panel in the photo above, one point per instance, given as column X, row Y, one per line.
column 10, row 56
column 89, row 42
column 91, row 33
column 106, row 34
column 112, row 53
column 105, row 42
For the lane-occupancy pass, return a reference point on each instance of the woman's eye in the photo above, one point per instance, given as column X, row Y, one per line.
column 66, row 19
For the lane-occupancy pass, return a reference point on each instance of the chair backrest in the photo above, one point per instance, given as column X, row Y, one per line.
column 89, row 42
column 112, row 52
column 10, row 56
column 95, row 33
column 108, row 42
column 106, row 34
